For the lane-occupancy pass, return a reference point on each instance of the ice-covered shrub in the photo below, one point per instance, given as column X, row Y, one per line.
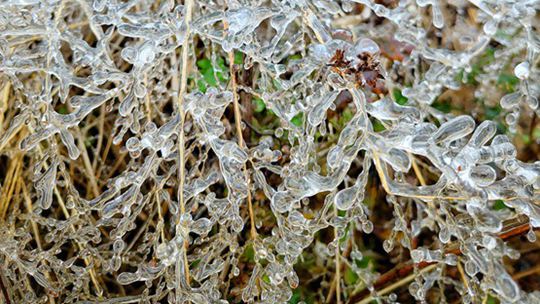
column 165, row 152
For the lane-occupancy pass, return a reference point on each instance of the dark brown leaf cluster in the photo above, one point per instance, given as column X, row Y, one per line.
column 366, row 72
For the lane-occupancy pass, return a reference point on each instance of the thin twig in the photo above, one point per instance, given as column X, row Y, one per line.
column 397, row 284
column 4, row 106
column 406, row 269
column 30, row 209
column 9, row 186
column 381, row 171
column 101, row 129
column 4, row 289
column 181, row 145
column 338, row 268
column 462, row 274
column 528, row 272
column 88, row 165
column 67, row 215
column 238, row 123
column 417, row 170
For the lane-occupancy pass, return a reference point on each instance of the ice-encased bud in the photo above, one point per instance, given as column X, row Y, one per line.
column 167, row 253
column 345, row 198
column 366, row 45
column 483, row 175
column 453, row 129
column 522, row 70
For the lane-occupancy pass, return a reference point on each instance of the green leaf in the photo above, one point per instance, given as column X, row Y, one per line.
column 249, row 254
column 398, row 97
column 298, row 119
column 442, row 106
column 364, row 262
column 209, row 77
column 209, row 73
column 378, row 126
column 201, row 84
column 258, row 104
column 499, row 205
column 238, row 58
column 266, row 278
column 222, row 77
column 296, row 297
column 350, row 277
column 295, row 57
column 221, row 64
column 204, row 64
column 491, row 300
column 195, row 263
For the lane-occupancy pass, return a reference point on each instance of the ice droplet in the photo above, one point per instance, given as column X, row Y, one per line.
column 127, row 278
column 511, row 100
column 483, row 175
column 366, row 45
column 531, row 236
column 438, row 18
column 444, row 235
column 454, row 129
column 345, row 198
column 388, row 245
column 417, row 255
column 522, row 70
column 367, row 226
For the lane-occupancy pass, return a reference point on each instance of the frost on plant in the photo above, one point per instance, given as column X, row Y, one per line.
column 279, row 151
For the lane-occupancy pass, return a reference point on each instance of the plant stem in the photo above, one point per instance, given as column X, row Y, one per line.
column 181, row 145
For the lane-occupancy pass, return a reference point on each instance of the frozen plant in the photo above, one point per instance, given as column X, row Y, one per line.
column 269, row 151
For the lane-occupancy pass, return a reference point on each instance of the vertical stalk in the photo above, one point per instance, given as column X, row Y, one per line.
column 181, row 145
